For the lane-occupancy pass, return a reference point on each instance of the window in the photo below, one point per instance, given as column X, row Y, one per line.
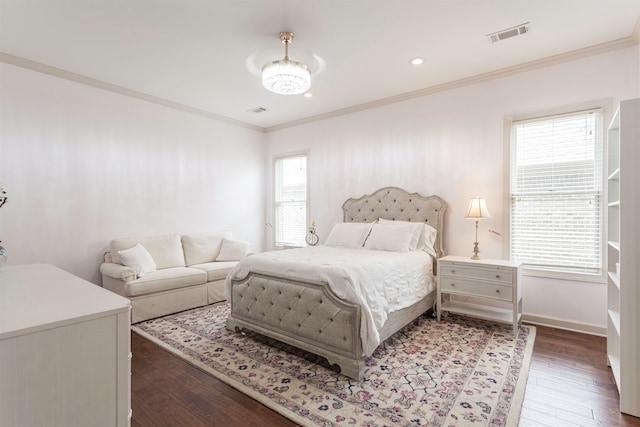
column 291, row 203
column 557, row 192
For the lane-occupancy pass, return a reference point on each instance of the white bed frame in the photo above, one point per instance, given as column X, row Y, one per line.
column 307, row 315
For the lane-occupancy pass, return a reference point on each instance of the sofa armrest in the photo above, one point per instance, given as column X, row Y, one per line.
column 117, row 271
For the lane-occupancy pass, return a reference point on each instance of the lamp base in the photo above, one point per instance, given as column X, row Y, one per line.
column 476, row 251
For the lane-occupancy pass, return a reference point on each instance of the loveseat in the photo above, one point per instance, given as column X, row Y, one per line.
column 170, row 273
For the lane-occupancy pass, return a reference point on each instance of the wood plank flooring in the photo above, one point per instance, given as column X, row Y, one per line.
column 569, row 385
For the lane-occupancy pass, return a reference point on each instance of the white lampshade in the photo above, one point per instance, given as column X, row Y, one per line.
column 286, row 77
column 478, row 209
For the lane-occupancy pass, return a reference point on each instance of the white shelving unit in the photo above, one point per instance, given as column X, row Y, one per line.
column 623, row 285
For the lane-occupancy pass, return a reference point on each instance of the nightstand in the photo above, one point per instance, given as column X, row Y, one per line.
column 487, row 279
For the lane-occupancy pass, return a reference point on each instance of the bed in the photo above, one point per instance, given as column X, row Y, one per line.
column 292, row 306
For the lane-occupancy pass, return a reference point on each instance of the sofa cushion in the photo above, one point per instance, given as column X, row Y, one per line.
column 165, row 279
column 202, row 248
column 166, row 250
column 232, row 250
column 216, row 270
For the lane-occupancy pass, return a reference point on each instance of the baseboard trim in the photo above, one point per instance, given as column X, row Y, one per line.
column 568, row 325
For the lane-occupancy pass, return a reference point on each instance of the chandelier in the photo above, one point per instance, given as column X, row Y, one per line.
column 286, row 77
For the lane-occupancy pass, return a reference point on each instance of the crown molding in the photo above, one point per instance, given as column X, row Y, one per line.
column 632, row 40
column 79, row 78
column 504, row 72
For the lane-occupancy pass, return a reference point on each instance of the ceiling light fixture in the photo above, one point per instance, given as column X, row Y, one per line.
column 416, row 61
column 286, row 77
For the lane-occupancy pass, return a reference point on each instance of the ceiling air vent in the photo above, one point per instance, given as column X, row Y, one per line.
column 257, row 110
column 509, row 32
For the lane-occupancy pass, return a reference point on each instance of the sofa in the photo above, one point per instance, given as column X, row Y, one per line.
column 165, row 274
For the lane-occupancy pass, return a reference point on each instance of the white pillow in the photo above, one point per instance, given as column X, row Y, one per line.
column 232, row 250
column 424, row 237
column 349, row 234
column 417, row 229
column 394, row 236
column 138, row 258
column 429, row 236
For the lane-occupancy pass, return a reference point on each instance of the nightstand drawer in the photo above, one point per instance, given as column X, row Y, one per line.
column 469, row 287
column 504, row 275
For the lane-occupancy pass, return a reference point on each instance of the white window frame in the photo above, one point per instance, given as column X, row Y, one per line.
column 540, row 271
column 276, row 159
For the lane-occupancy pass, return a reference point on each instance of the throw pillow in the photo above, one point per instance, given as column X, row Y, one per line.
column 138, row 258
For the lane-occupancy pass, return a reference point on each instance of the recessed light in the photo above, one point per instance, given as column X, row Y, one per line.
column 416, row 61
column 308, row 95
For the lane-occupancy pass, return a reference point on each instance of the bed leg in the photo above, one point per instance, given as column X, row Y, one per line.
column 353, row 369
column 232, row 325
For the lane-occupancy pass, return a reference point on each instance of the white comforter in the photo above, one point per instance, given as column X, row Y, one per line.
column 380, row 281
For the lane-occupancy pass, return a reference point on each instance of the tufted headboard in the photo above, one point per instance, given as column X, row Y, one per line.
column 396, row 204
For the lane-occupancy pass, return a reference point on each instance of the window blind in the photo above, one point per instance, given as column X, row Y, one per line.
column 291, row 200
column 557, row 192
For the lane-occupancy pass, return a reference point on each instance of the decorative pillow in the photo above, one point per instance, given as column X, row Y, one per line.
column 202, row 248
column 392, row 236
column 232, row 250
column 417, row 229
column 349, row 234
column 429, row 236
column 138, row 258
column 424, row 236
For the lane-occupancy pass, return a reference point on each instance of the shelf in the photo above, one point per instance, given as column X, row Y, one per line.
column 614, row 203
column 615, row 279
column 614, row 245
column 615, row 175
column 488, row 313
column 615, row 320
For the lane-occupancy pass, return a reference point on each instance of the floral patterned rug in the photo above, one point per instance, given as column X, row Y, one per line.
column 459, row 372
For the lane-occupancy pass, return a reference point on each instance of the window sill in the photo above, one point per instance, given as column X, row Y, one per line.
column 563, row 275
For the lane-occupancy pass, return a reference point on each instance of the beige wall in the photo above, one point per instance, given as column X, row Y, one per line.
column 82, row 166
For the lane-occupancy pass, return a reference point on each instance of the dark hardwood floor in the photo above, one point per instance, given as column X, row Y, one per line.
column 569, row 385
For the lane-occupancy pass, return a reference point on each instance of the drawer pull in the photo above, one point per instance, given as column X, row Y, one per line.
column 497, row 276
column 497, row 291
column 453, row 272
column 452, row 285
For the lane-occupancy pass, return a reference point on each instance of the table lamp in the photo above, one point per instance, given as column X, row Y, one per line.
column 477, row 210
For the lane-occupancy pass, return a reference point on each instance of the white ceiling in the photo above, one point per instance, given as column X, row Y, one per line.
column 199, row 53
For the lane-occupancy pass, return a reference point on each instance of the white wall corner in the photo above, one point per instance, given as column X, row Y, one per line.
column 635, row 34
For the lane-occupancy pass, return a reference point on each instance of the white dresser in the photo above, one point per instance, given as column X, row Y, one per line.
column 64, row 350
column 483, row 279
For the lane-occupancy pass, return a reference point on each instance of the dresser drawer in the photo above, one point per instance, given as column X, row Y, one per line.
column 503, row 275
column 469, row 287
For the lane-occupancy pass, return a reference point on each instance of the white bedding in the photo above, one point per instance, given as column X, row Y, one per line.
column 380, row 281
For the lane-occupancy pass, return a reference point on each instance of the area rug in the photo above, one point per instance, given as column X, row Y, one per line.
column 457, row 372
